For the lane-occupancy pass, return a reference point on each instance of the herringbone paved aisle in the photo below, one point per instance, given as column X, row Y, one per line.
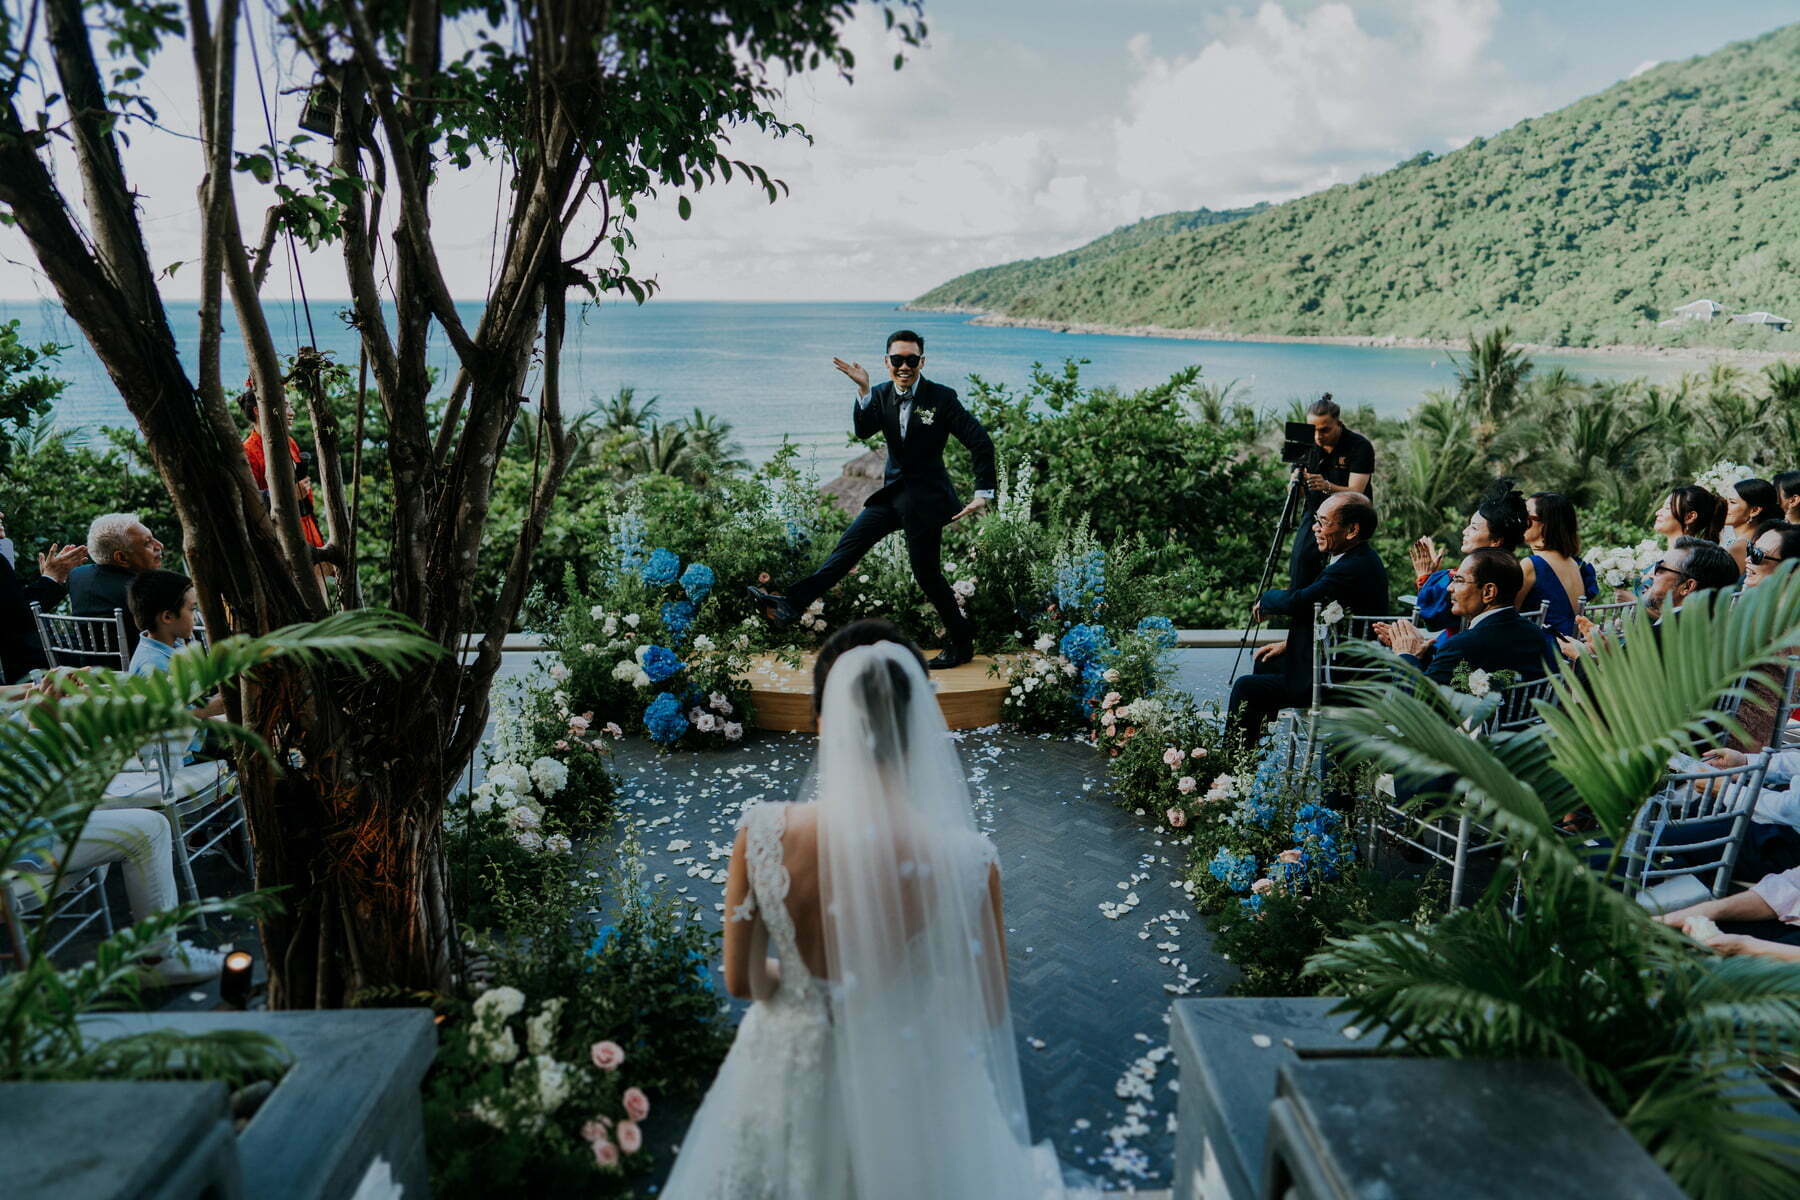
column 1090, row 992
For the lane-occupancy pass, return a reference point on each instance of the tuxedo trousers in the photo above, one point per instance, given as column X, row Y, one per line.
column 924, row 549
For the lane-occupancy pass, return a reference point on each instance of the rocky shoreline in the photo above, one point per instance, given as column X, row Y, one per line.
column 1698, row 354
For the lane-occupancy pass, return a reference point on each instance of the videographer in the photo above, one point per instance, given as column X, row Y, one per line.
column 1342, row 461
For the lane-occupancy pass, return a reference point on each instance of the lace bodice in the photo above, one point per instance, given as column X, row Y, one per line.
column 764, row 826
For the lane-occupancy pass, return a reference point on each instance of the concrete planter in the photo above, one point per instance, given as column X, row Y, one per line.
column 345, row 1119
column 1280, row 1098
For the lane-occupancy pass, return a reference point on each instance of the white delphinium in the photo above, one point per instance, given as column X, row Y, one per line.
column 540, row 1031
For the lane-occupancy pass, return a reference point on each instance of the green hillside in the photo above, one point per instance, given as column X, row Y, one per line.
column 1584, row 226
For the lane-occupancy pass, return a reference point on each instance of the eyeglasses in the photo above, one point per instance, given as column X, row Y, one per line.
column 905, row 360
column 1757, row 556
column 1665, row 568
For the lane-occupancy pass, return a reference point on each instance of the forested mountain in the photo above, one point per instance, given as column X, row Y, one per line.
column 1587, row 225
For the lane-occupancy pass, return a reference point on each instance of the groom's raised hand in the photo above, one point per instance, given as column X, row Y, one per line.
column 858, row 375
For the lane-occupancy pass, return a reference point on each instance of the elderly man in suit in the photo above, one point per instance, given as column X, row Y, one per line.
column 916, row 417
column 1495, row 637
column 1354, row 579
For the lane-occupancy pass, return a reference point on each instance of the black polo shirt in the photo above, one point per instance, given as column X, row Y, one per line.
column 1354, row 454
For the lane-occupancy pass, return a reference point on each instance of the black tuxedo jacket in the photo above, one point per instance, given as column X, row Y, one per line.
column 1503, row 641
column 1357, row 580
column 917, row 482
column 21, row 652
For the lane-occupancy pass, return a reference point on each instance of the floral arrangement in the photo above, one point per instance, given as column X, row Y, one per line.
column 1723, row 475
column 1624, row 567
column 1044, row 688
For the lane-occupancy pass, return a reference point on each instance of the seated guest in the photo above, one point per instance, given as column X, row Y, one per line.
column 1773, row 543
column 21, row 652
column 1773, row 903
column 1748, row 503
column 1692, row 566
column 1787, row 495
column 1498, row 520
column 1497, row 637
column 119, row 546
column 1554, row 574
column 162, row 607
column 1353, row 578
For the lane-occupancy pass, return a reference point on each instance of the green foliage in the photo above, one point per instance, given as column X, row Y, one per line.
column 1660, row 1029
column 1586, row 225
column 58, row 750
column 27, row 389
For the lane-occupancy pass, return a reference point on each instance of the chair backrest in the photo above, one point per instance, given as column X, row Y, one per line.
column 1784, row 731
column 83, row 641
column 1541, row 617
column 1518, row 708
column 1328, row 670
column 1695, row 826
column 1601, row 614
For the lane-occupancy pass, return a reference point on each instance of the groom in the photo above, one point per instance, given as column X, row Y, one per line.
column 917, row 417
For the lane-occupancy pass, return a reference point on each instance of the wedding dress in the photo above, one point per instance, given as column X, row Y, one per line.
column 898, row 1076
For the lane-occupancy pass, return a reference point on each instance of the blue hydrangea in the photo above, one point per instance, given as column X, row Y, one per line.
column 1314, row 822
column 1160, row 629
column 697, row 581
column 1251, row 906
column 662, row 568
column 794, row 532
column 677, row 617
column 628, row 543
column 1085, row 644
column 664, row 719
column 1255, row 811
column 1235, row 871
column 660, row 663
column 1081, row 582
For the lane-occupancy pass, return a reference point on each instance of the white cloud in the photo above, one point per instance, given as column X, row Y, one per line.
column 1280, row 103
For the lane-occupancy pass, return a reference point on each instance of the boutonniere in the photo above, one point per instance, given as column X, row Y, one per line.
column 926, row 415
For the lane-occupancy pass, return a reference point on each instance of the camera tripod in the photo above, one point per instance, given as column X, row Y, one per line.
column 1290, row 510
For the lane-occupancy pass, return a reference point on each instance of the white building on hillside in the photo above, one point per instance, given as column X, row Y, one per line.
column 1779, row 324
column 1700, row 310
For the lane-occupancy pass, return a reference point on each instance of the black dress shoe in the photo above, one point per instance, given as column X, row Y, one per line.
column 955, row 656
column 775, row 607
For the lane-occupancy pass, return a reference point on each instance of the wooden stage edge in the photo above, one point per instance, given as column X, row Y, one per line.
column 969, row 697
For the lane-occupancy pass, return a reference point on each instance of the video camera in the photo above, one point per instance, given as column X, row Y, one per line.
column 1298, row 447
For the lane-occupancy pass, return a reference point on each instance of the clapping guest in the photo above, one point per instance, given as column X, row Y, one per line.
column 1555, row 573
column 21, row 651
column 1748, row 503
column 1497, row 637
column 1498, row 521
column 1775, row 897
column 1691, row 567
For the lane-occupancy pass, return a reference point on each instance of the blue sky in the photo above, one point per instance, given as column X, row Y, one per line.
column 1027, row 127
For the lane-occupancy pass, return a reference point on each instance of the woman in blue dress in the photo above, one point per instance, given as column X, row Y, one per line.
column 1555, row 573
column 1498, row 521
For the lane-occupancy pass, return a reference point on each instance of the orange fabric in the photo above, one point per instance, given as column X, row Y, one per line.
column 259, row 463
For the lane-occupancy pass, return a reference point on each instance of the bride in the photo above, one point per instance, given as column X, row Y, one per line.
column 877, row 1059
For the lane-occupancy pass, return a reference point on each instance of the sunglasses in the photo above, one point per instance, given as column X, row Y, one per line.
column 1665, row 568
column 1758, row 556
column 905, row 360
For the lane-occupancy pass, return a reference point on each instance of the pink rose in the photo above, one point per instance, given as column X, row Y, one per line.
column 607, row 1055
column 637, row 1105
column 1198, row 752
column 1112, row 698
column 562, row 745
column 612, row 727
column 1171, row 756
column 1289, row 856
column 1263, row 885
column 595, row 1131
column 1186, row 784
column 630, row 1137
column 1177, row 818
column 580, row 724
column 606, row 1154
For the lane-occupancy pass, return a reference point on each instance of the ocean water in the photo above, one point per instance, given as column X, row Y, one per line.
column 766, row 367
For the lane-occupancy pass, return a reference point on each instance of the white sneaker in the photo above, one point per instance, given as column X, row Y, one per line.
column 183, row 965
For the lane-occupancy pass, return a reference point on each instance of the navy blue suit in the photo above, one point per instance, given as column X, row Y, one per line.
column 916, row 496
column 1502, row 641
column 21, row 651
column 1358, row 582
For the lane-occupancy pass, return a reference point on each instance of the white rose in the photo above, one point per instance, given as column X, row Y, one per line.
column 529, row 839
column 704, row 644
column 505, row 800
column 1018, row 690
column 1480, row 683
column 521, row 817
column 509, row 777
column 641, row 679
column 552, row 1083
column 483, row 802
column 502, row 1047
column 625, row 670
column 733, row 731
column 558, row 843
column 559, row 672
column 589, row 648
column 499, row 1003
column 706, row 722
column 1044, row 644
column 632, row 620
column 1332, row 613
column 1111, row 675
column 964, row 588
column 740, row 642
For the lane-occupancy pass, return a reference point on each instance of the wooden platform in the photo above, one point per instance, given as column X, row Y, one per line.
column 968, row 695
